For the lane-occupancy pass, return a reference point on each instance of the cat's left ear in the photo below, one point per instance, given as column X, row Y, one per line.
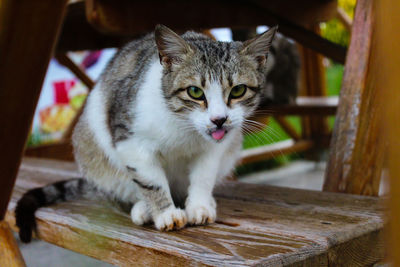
column 172, row 48
column 258, row 47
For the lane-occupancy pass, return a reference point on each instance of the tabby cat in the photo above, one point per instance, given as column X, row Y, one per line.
column 162, row 125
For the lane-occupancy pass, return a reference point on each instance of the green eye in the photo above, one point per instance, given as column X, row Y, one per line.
column 195, row 92
column 238, row 91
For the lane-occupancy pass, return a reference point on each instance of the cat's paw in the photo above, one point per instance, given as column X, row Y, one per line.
column 201, row 212
column 170, row 219
column 140, row 213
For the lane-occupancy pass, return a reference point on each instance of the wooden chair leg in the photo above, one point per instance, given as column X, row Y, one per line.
column 10, row 255
column 357, row 156
column 388, row 81
column 28, row 35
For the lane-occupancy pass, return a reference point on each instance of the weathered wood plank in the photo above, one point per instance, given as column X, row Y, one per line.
column 357, row 154
column 257, row 225
column 10, row 255
column 28, row 33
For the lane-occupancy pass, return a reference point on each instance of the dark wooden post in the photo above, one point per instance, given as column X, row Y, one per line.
column 356, row 156
column 28, row 34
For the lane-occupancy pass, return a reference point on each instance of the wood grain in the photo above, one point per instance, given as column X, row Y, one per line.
column 258, row 225
column 388, row 81
column 10, row 256
column 28, row 35
column 357, row 154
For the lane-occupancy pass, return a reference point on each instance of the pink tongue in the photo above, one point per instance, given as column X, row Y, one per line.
column 218, row 134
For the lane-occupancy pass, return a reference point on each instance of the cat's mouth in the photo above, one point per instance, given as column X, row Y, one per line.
column 218, row 134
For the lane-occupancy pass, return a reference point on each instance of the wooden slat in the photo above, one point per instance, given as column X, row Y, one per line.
column 64, row 60
column 388, row 81
column 287, row 127
column 28, row 33
column 313, row 106
column 257, row 225
column 274, row 150
column 357, row 154
column 344, row 18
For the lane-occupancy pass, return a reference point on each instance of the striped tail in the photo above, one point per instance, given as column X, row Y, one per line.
column 41, row 197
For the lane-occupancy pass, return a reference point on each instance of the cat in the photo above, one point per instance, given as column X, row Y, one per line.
column 161, row 127
column 283, row 73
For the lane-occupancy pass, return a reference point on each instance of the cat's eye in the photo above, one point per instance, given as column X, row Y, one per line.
column 195, row 92
column 238, row 91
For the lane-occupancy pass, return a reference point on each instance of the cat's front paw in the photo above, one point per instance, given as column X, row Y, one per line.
column 201, row 212
column 170, row 219
column 140, row 213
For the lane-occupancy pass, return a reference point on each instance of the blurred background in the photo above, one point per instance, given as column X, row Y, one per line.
column 63, row 95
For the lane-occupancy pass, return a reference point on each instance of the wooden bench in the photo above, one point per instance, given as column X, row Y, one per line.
column 256, row 225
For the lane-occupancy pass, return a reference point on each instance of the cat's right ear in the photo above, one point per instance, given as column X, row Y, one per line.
column 171, row 47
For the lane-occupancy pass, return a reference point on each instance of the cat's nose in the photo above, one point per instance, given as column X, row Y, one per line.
column 219, row 121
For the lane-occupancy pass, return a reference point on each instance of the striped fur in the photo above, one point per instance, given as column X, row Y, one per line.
column 44, row 196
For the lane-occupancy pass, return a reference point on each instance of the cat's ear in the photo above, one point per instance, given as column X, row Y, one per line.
column 258, row 47
column 171, row 47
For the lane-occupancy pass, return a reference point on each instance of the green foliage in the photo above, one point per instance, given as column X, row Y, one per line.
column 334, row 30
column 334, row 74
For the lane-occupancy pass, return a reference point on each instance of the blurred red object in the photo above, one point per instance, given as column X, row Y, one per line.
column 61, row 89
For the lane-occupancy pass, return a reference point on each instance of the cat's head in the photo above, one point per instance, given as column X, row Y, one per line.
column 213, row 86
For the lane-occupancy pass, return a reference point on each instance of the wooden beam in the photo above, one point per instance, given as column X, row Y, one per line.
column 115, row 18
column 274, row 150
column 64, row 60
column 10, row 255
column 388, row 78
column 287, row 127
column 28, row 36
column 344, row 19
column 357, row 154
column 313, row 106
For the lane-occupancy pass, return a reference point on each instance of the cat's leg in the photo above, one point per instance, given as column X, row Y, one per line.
column 140, row 213
column 151, row 181
column 212, row 166
column 200, row 205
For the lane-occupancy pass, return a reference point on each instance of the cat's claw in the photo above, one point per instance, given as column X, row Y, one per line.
column 199, row 214
column 170, row 219
column 140, row 213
